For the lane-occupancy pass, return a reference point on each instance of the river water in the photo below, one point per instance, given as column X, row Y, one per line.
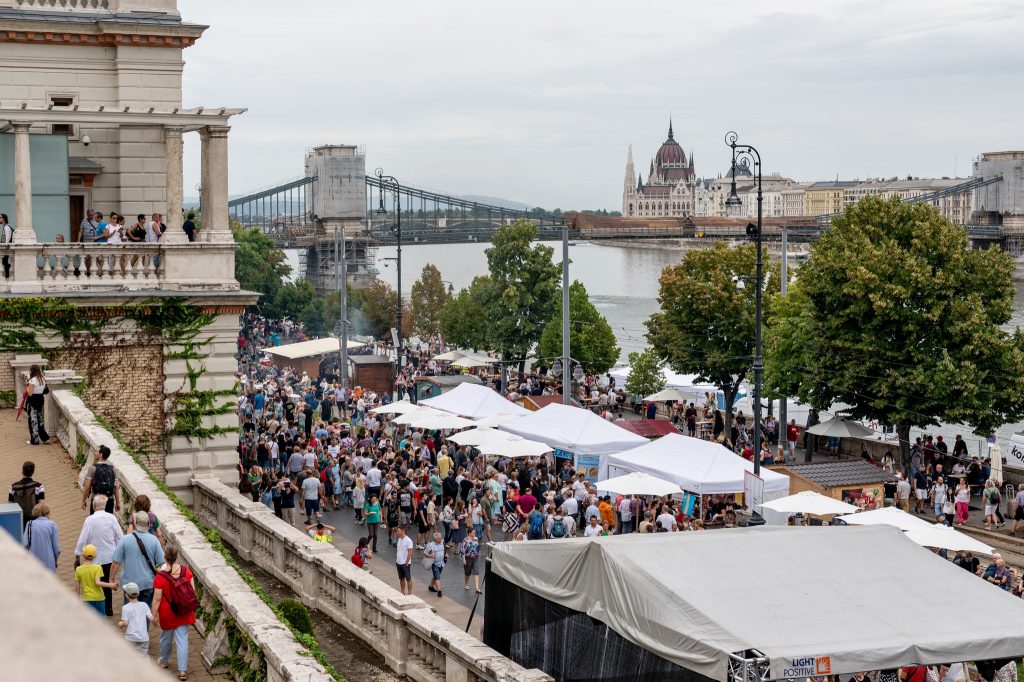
column 622, row 283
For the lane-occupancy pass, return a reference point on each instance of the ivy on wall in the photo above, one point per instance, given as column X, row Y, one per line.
column 168, row 322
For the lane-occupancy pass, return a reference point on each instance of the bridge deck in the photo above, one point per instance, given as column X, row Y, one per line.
column 55, row 471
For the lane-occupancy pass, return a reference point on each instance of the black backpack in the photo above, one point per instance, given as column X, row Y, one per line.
column 103, row 479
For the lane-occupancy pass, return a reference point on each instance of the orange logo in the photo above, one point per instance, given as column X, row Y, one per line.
column 823, row 665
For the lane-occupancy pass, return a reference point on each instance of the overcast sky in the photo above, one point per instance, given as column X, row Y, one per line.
column 538, row 101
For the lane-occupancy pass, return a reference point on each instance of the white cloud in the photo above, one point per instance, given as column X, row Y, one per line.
column 537, row 101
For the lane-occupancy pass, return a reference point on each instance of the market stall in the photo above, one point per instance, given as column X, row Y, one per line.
column 306, row 356
column 854, row 481
column 474, row 401
column 621, row 614
column 576, row 434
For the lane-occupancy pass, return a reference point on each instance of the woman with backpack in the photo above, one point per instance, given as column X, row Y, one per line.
column 175, row 602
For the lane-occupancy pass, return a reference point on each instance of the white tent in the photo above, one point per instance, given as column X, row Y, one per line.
column 685, row 382
column 513, row 446
column 408, row 417
column 810, row 502
column 473, row 401
column 475, row 436
column 696, row 465
column 588, row 437
column 820, row 610
column 311, row 348
column 886, row 516
column 399, row 407
column 944, row 537
column 639, row 483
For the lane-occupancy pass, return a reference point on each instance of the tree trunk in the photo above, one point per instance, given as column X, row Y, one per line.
column 730, row 391
column 903, row 433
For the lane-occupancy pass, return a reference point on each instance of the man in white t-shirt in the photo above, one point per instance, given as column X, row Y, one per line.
column 667, row 521
column 571, row 507
column 403, row 560
column 593, row 529
column 626, row 515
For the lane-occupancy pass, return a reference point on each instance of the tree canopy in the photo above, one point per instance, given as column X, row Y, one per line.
column 591, row 340
column 646, row 373
column 525, row 286
column 897, row 317
column 706, row 322
column 259, row 265
column 464, row 319
column 429, row 297
column 372, row 310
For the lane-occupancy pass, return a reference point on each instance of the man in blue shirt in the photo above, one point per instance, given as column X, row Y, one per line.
column 139, row 554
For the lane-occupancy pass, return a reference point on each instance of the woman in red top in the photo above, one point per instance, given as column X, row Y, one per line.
column 173, row 626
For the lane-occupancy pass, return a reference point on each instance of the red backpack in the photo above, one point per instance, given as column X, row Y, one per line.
column 181, row 595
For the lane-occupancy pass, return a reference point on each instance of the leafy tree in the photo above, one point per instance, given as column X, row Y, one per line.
column 299, row 301
column 464, row 319
column 372, row 310
column 525, row 282
column 429, row 298
column 591, row 340
column 646, row 373
column 706, row 323
column 897, row 317
column 259, row 265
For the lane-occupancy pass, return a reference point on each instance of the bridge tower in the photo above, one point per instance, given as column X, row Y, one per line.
column 336, row 195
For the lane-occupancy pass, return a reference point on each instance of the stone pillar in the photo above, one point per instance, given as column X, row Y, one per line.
column 204, row 184
column 175, row 191
column 23, row 232
column 215, row 178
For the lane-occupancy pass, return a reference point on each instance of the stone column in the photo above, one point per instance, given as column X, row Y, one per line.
column 204, row 185
column 23, row 232
column 175, row 191
column 215, row 161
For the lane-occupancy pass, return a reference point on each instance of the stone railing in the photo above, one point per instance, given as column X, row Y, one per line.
column 227, row 604
column 403, row 629
column 56, row 267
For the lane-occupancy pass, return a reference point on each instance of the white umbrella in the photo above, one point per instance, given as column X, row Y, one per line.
column 668, row 394
column 810, row 502
column 944, row 537
column 886, row 516
column 450, row 355
column 400, row 407
column 470, row 363
column 837, row 427
column 441, row 420
column 513, row 446
column 475, row 436
column 997, row 463
column 639, row 483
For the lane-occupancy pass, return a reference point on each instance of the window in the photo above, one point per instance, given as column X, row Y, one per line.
column 62, row 101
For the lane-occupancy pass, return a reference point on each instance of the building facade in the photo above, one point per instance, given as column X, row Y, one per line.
column 671, row 184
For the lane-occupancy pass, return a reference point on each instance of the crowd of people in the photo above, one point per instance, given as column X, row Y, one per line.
column 110, row 556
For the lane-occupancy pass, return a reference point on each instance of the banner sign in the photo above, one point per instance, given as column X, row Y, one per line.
column 589, row 466
column 1015, row 457
column 753, row 491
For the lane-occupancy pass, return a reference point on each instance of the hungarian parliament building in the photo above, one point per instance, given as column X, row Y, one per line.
column 673, row 190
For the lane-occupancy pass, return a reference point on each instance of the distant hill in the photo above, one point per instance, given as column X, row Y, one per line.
column 495, row 201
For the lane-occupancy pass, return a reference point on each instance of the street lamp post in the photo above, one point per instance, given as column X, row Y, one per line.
column 746, row 154
column 565, row 312
column 389, row 182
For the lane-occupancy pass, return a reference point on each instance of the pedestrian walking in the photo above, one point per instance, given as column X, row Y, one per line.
column 101, row 531
column 26, row 492
column 434, row 558
column 372, row 517
column 40, row 537
column 92, row 584
column 136, row 557
column 34, row 399
column 403, row 561
column 469, row 552
column 135, row 618
column 101, row 479
column 175, row 601
column 963, row 499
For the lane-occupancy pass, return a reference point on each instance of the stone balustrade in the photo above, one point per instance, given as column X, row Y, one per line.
column 228, row 606
column 63, row 267
column 404, row 630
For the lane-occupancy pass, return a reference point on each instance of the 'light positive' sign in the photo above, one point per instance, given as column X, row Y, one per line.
column 808, row 666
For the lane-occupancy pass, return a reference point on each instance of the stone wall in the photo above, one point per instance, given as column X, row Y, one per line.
column 124, row 384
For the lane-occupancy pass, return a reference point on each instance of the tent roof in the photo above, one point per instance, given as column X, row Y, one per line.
column 473, row 401
column 818, row 603
column 574, row 429
column 849, row 472
column 308, row 349
column 697, row 465
column 650, row 428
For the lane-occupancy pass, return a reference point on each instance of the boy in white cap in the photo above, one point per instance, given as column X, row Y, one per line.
column 135, row 617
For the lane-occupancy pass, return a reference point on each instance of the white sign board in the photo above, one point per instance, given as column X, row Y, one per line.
column 753, row 491
column 1015, row 455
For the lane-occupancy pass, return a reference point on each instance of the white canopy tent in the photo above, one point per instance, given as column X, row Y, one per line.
column 475, row 436
column 819, row 611
column 398, row 407
column 685, row 382
column 588, row 437
column 513, row 446
column 698, row 466
column 474, row 402
column 307, row 349
column 944, row 537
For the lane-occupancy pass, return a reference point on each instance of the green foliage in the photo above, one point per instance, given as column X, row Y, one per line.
column 706, row 323
column 526, row 286
column 591, row 340
column 464, row 319
column 259, row 265
column 7, row 398
column 897, row 317
column 372, row 310
column 646, row 373
column 429, row 297
column 296, row 614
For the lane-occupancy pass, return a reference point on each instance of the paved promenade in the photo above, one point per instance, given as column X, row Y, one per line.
column 56, row 472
